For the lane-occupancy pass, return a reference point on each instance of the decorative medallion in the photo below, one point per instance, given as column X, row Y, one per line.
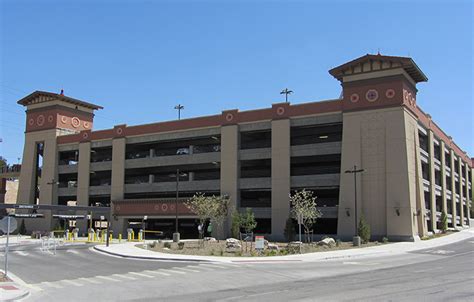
column 50, row 119
column 119, row 131
column 172, row 207
column 87, row 125
column 40, row 120
column 156, row 207
column 372, row 95
column 354, row 98
column 31, row 122
column 280, row 110
column 229, row 117
column 75, row 122
column 85, row 135
column 117, row 208
column 390, row 93
column 164, row 207
column 64, row 119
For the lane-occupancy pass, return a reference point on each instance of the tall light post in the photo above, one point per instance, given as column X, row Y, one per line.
column 356, row 240
column 179, row 107
column 176, row 236
column 286, row 92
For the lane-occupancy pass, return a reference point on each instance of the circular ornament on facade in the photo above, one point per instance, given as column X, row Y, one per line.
column 229, row 117
column 119, row 131
column 354, row 98
column 85, row 135
column 280, row 110
column 75, row 122
column 164, row 207
column 390, row 93
column 172, row 207
column 31, row 122
column 117, row 208
column 372, row 95
column 50, row 119
column 87, row 125
column 40, row 120
column 156, row 207
column 63, row 119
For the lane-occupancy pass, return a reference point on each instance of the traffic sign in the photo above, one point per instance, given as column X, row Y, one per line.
column 4, row 224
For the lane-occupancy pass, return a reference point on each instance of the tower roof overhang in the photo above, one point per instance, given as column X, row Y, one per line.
column 386, row 62
column 43, row 96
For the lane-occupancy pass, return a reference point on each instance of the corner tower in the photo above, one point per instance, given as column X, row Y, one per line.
column 48, row 115
column 380, row 135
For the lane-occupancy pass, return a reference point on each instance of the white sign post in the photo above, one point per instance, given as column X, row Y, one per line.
column 8, row 225
column 259, row 243
column 300, row 221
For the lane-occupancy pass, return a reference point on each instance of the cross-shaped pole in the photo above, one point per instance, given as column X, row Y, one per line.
column 286, row 92
column 179, row 107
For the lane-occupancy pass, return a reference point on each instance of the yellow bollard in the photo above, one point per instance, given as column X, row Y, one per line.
column 110, row 237
column 120, row 238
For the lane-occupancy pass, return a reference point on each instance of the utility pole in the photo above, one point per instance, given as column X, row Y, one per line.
column 356, row 240
column 286, row 92
column 179, row 107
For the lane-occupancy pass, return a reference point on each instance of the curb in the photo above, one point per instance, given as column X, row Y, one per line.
column 151, row 258
column 17, row 282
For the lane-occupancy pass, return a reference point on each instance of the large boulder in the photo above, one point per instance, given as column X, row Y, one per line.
column 232, row 245
column 327, row 242
column 209, row 239
column 273, row 247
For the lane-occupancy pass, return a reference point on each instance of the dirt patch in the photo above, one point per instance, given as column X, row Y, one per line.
column 3, row 278
column 218, row 248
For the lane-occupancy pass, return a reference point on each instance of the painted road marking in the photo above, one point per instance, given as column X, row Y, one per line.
column 72, row 252
column 211, row 265
column 21, row 253
column 187, row 269
column 107, row 278
column 201, row 267
column 158, row 273
column 141, row 275
column 173, row 271
column 124, row 277
column 75, row 283
column 50, row 284
column 90, row 280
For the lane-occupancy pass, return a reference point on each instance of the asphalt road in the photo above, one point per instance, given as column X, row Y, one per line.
column 444, row 273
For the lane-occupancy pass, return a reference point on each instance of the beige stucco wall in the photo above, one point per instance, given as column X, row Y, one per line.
column 383, row 143
column 230, row 167
column 280, row 176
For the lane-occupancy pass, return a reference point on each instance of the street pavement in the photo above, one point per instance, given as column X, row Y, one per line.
column 438, row 273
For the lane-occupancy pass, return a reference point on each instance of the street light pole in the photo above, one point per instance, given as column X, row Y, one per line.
column 179, row 107
column 356, row 233
column 286, row 92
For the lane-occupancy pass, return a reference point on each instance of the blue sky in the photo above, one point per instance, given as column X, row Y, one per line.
column 139, row 59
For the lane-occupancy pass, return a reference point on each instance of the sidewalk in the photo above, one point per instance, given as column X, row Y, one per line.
column 12, row 290
column 129, row 250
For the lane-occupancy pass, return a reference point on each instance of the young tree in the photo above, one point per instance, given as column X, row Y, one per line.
column 304, row 205
column 248, row 221
column 213, row 207
column 444, row 222
column 364, row 230
column 236, row 222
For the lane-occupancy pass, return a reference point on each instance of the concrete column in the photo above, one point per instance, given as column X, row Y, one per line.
column 280, row 176
column 461, row 195
column 83, row 179
column 466, row 193
column 453, row 190
column 230, row 167
column 118, row 183
column 191, row 176
column 118, row 169
column 151, row 178
column 443, row 177
column 152, row 153
column 432, row 181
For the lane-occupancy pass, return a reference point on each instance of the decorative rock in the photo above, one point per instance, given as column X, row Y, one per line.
column 210, row 239
column 272, row 246
column 327, row 242
column 232, row 240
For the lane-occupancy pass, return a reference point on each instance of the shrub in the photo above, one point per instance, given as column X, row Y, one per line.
column 181, row 245
column 152, row 244
column 221, row 252
column 385, row 240
column 236, row 222
column 444, row 222
column 167, row 245
column 364, row 230
column 211, row 253
column 289, row 230
column 238, row 253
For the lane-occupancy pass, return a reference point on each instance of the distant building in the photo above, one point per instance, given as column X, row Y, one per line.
column 413, row 170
